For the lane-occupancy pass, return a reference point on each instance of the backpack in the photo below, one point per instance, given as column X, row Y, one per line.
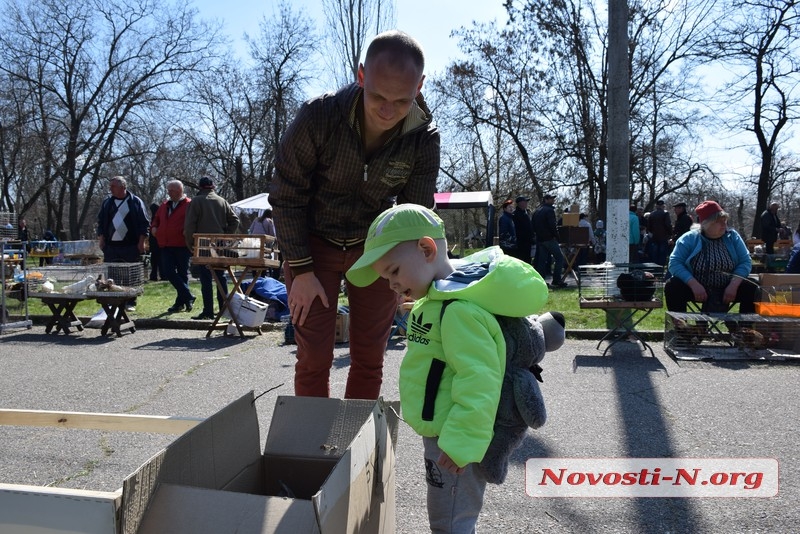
column 521, row 402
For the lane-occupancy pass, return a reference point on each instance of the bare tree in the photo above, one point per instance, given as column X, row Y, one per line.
column 282, row 52
column 494, row 99
column 573, row 40
column 88, row 67
column 760, row 44
column 350, row 24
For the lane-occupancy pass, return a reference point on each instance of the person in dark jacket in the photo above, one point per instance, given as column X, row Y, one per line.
column 659, row 226
column 123, row 225
column 770, row 224
column 524, row 228
column 344, row 159
column 547, row 247
column 507, row 232
column 683, row 222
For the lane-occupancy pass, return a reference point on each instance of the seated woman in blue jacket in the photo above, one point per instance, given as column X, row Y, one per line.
column 710, row 265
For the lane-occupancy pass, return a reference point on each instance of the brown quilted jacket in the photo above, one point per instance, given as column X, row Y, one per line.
column 324, row 185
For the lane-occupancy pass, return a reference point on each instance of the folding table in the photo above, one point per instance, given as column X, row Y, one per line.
column 117, row 318
column 223, row 252
column 606, row 287
column 62, row 309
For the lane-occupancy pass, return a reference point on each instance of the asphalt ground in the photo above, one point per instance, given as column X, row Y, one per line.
column 626, row 404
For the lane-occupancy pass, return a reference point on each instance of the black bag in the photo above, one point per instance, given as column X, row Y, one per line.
column 637, row 285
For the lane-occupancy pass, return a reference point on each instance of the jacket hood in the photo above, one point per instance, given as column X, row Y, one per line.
column 499, row 284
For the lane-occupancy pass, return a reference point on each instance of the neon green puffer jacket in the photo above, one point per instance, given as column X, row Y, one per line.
column 471, row 345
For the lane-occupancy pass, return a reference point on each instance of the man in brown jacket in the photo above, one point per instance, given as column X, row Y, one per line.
column 209, row 213
column 345, row 158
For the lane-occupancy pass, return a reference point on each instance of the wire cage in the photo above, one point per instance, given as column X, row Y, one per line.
column 726, row 336
column 8, row 226
column 65, row 279
column 609, row 285
column 82, row 252
column 100, row 279
column 221, row 250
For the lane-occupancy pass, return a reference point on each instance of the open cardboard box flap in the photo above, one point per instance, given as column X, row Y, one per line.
column 327, row 466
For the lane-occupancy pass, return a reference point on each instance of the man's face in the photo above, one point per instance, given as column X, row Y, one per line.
column 117, row 190
column 522, row 204
column 175, row 192
column 389, row 92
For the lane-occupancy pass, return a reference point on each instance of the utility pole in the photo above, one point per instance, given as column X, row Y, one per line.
column 617, row 228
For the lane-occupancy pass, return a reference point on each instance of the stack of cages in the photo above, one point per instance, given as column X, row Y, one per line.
column 46, row 250
column 13, row 275
column 772, row 333
column 8, row 226
column 607, row 283
column 81, row 252
column 731, row 336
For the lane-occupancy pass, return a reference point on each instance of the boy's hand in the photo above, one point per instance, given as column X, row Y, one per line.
column 446, row 462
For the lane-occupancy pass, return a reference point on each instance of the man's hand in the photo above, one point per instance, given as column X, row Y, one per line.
column 445, row 461
column 305, row 288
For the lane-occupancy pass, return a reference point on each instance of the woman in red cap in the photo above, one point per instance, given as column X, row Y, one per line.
column 710, row 265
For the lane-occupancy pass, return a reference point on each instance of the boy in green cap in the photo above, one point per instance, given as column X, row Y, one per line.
column 465, row 354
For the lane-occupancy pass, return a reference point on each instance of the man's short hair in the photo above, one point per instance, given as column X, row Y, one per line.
column 399, row 45
column 172, row 183
column 119, row 180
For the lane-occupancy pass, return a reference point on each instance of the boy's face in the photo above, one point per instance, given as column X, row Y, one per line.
column 409, row 268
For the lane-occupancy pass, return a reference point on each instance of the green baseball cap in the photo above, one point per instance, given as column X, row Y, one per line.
column 406, row 222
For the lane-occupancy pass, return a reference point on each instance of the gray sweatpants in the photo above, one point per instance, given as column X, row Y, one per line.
column 454, row 501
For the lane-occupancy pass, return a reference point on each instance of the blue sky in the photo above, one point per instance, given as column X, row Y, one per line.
column 430, row 21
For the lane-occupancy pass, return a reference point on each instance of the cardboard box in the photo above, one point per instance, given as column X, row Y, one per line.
column 249, row 311
column 780, row 295
column 778, row 279
column 570, row 219
column 335, row 456
column 573, row 235
column 342, row 328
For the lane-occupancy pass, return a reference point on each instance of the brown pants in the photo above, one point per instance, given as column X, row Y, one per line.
column 372, row 311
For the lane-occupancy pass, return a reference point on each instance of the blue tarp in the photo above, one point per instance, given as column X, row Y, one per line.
column 271, row 291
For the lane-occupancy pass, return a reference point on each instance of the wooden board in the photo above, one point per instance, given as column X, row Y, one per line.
column 98, row 421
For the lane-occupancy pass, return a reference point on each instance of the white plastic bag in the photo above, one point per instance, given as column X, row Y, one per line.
column 97, row 320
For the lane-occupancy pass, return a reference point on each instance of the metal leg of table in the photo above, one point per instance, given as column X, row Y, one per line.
column 630, row 329
column 62, row 315
column 117, row 318
column 237, row 284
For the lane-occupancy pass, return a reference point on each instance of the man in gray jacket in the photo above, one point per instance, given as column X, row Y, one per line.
column 209, row 213
column 347, row 157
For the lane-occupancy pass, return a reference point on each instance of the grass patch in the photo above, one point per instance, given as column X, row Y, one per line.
column 566, row 302
column 158, row 296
